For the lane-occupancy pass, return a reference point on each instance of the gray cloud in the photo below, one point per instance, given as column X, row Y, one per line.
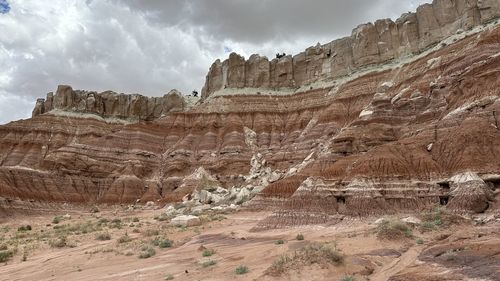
column 149, row 46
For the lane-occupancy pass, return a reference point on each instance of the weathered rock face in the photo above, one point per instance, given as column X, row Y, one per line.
column 379, row 142
column 110, row 104
column 369, row 44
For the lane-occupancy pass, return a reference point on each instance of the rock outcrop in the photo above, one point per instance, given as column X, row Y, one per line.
column 110, row 104
column 369, row 44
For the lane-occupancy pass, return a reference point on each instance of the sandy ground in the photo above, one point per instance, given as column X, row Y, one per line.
column 366, row 257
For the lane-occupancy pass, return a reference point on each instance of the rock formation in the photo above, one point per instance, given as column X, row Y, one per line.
column 384, row 139
column 110, row 104
column 369, row 44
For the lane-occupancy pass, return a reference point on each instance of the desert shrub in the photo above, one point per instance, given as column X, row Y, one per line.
column 57, row 219
column 3, row 247
column 169, row 277
column 103, row 236
column 208, row 252
column 150, row 232
column 393, row 230
column 24, row 228
column 136, row 219
column 432, row 220
column 115, row 223
column 317, row 253
column 348, row 278
column 209, row 263
column 279, row 242
column 5, row 255
column 420, row 241
column 242, row 269
column 146, row 252
column 166, row 243
column 58, row 242
column 124, row 239
column 299, row 237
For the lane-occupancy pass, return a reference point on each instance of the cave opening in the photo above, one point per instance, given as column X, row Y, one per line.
column 443, row 200
column 340, row 199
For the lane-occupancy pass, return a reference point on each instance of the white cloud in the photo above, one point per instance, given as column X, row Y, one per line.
column 149, row 46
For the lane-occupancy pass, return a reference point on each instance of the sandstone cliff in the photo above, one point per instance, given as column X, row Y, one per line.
column 110, row 104
column 369, row 44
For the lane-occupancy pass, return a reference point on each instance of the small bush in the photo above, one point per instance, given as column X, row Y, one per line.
column 209, row 263
column 3, row 247
column 115, row 223
column 136, row 219
column 393, row 230
column 165, row 243
column 103, row 236
column 299, row 237
column 169, row 277
column 348, row 278
column 24, row 228
column 279, row 242
column 58, row 242
column 242, row 269
column 147, row 252
column 5, row 255
column 208, row 252
column 420, row 241
column 57, row 219
column 150, row 232
column 311, row 254
column 124, row 239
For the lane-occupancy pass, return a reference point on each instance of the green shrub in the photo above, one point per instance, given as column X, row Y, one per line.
column 147, row 252
column 58, row 242
column 124, row 239
column 316, row 253
column 5, row 255
column 165, row 243
column 208, row 252
column 393, row 230
column 420, row 241
column 103, row 236
column 279, row 242
column 136, row 219
column 115, row 223
column 169, row 277
column 24, row 228
column 209, row 263
column 348, row 278
column 57, row 219
column 150, row 232
column 299, row 237
column 242, row 269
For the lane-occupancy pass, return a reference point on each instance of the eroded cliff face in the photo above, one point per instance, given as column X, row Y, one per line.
column 403, row 137
column 110, row 104
column 369, row 44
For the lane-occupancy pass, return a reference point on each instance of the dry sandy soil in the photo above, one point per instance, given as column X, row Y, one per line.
column 445, row 248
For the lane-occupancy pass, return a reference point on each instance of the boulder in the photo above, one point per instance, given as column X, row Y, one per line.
column 186, row 221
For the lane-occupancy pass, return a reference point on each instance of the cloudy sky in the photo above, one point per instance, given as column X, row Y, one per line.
column 152, row 46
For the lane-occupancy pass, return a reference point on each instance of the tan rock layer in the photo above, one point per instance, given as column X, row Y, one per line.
column 110, row 104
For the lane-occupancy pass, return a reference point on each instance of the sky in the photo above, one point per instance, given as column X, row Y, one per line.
column 152, row 46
